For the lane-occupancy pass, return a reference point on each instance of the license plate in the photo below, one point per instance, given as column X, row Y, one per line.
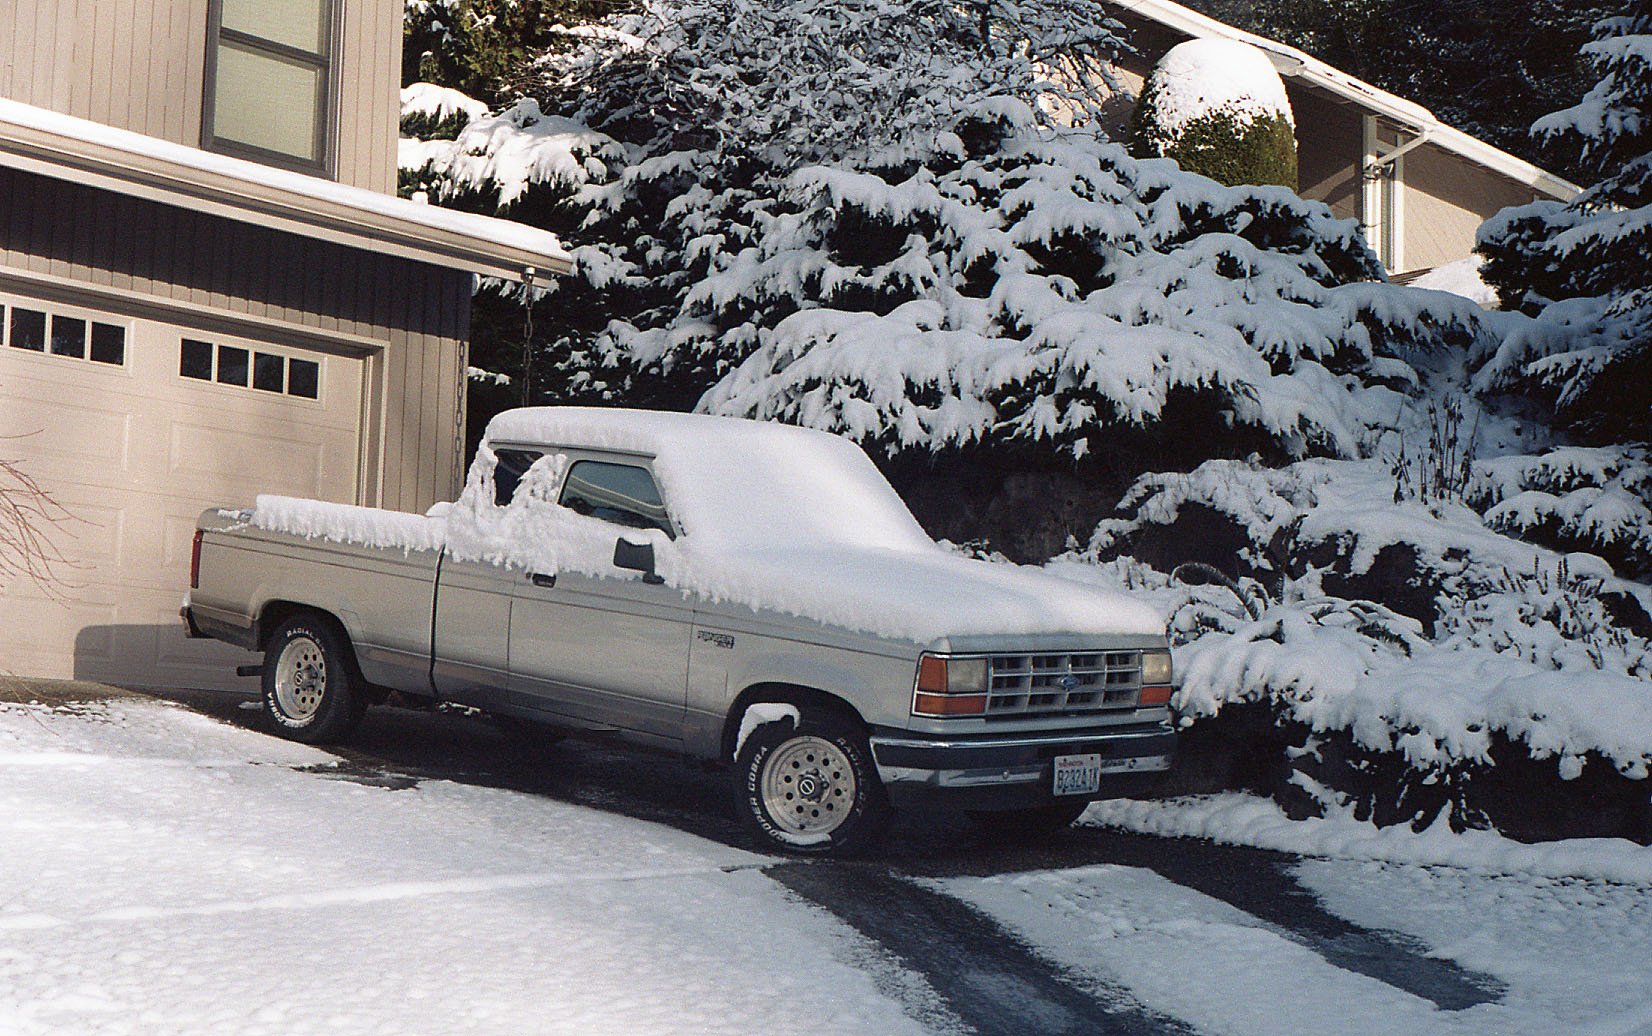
column 1078, row 774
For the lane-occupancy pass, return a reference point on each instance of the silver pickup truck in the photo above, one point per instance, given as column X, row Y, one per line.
column 734, row 591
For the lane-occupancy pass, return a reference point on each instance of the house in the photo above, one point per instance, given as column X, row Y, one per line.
column 1419, row 188
column 208, row 290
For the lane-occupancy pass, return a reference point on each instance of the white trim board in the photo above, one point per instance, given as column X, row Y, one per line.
column 52, row 144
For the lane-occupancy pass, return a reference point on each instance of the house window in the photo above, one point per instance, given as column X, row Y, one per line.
column 269, row 81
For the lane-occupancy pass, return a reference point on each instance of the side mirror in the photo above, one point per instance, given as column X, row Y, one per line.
column 636, row 557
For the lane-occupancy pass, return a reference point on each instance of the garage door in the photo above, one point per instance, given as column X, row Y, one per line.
column 135, row 427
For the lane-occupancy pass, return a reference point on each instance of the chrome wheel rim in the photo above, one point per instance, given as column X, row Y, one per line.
column 300, row 679
column 808, row 786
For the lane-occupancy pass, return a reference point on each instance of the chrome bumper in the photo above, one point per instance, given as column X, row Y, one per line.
column 905, row 761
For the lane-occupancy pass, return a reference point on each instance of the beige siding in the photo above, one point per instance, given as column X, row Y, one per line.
column 1329, row 147
column 408, row 318
column 1446, row 199
column 140, row 64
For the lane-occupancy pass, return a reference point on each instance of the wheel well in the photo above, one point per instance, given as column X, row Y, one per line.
column 277, row 612
column 786, row 694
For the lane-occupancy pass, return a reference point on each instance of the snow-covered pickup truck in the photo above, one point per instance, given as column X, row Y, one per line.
column 731, row 590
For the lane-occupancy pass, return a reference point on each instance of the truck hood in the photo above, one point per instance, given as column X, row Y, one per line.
column 921, row 596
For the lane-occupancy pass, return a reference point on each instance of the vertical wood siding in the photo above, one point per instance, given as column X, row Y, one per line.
column 1330, row 147
column 418, row 311
column 1447, row 197
column 140, row 65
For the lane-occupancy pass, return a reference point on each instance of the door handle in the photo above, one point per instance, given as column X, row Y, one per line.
column 541, row 579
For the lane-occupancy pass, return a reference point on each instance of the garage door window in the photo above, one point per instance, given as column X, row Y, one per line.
column 28, row 329
column 249, row 368
column 71, row 337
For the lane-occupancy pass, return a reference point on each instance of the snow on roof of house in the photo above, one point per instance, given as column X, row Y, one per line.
column 49, row 143
column 1292, row 62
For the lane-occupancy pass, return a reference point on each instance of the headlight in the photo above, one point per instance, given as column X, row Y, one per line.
column 1155, row 668
column 950, row 687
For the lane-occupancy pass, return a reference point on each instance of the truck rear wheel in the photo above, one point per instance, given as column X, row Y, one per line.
column 312, row 690
column 810, row 786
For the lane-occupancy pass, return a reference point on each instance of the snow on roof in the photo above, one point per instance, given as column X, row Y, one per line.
column 1213, row 74
column 737, row 479
column 773, row 517
column 1299, row 64
column 53, row 144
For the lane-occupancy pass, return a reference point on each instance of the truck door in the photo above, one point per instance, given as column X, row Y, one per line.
column 609, row 650
column 471, row 662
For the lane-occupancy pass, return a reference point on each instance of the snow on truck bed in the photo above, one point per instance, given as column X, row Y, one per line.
column 772, row 517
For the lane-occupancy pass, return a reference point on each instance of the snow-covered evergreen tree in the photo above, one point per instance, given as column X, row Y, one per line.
column 1584, row 269
column 897, row 220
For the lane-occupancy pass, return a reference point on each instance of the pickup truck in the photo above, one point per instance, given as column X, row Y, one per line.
column 735, row 591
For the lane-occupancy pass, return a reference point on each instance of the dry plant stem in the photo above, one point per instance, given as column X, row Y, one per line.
column 28, row 517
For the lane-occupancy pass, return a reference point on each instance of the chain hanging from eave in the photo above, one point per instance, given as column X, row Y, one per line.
column 527, row 336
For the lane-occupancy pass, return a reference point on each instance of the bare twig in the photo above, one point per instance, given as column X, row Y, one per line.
column 29, row 517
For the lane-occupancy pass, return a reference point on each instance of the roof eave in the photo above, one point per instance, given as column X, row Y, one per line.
column 1294, row 63
column 41, row 151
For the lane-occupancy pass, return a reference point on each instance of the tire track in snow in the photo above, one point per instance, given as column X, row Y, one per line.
column 989, row 979
column 1260, row 883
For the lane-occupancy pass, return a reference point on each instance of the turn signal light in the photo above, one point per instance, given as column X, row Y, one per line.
column 1154, row 696
column 949, row 704
column 932, row 674
column 195, row 562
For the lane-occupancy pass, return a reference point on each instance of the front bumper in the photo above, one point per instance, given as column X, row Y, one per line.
column 1015, row 771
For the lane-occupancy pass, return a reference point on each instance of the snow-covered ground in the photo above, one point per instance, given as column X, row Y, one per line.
column 167, row 873
column 1572, row 954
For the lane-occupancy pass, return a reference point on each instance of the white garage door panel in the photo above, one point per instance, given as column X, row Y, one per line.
column 135, row 453
column 61, row 437
column 200, row 455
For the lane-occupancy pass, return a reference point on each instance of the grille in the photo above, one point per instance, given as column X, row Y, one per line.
column 1097, row 681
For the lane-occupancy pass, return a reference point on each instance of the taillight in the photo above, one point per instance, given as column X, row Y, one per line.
column 195, row 562
column 950, row 687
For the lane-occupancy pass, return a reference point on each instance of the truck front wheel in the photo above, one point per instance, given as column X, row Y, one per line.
column 312, row 691
column 810, row 786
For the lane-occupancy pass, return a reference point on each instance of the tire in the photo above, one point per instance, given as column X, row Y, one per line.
column 810, row 788
column 312, row 688
column 1031, row 825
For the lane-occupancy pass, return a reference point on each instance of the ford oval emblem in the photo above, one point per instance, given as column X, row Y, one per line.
column 1069, row 682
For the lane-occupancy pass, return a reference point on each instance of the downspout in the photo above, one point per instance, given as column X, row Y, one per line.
column 1389, row 219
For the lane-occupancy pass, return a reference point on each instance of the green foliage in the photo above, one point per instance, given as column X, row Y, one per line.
column 1227, row 146
column 1584, row 269
column 1229, row 150
column 486, row 48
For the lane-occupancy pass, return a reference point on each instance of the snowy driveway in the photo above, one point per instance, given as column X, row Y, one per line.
column 165, row 871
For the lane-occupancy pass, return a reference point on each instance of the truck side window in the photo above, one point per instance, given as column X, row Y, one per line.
column 620, row 493
column 508, row 470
